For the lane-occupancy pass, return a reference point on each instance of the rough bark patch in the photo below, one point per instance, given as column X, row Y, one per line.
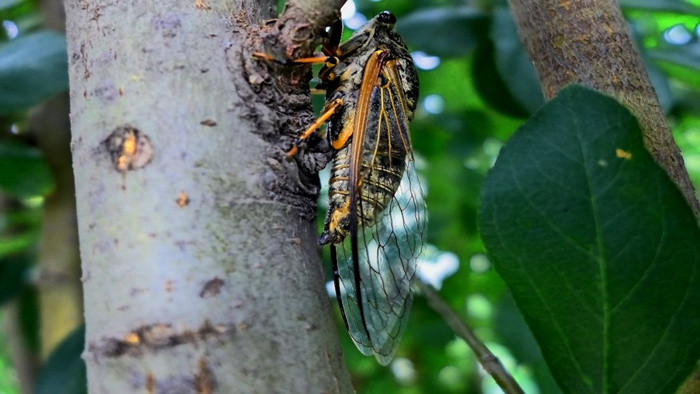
column 212, row 288
column 204, row 380
column 129, row 148
column 158, row 336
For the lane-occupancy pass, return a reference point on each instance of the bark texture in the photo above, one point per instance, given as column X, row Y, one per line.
column 200, row 264
column 588, row 42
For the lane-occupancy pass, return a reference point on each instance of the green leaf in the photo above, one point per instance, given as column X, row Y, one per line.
column 17, row 243
column 687, row 56
column 598, row 246
column 490, row 85
column 513, row 63
column 675, row 6
column 680, row 62
column 13, row 273
column 660, row 83
column 64, row 371
column 23, row 170
column 5, row 4
column 32, row 69
column 511, row 327
column 444, row 31
column 28, row 302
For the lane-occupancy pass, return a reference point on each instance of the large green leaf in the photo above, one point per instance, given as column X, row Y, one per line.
column 32, row 69
column 444, row 31
column 23, row 170
column 514, row 332
column 598, row 246
column 513, row 63
column 64, row 371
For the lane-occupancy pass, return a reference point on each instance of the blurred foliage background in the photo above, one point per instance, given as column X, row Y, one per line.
column 477, row 88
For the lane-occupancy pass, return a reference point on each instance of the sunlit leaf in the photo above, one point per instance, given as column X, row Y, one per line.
column 32, row 69
column 598, row 246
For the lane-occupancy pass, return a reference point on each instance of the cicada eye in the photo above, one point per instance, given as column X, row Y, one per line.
column 387, row 17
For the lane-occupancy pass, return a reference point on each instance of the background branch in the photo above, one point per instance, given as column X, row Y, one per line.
column 491, row 364
column 588, row 42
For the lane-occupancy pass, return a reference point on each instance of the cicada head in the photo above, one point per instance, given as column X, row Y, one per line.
column 386, row 18
column 380, row 25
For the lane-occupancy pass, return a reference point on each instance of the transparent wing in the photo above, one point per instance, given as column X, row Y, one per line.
column 388, row 253
column 389, row 241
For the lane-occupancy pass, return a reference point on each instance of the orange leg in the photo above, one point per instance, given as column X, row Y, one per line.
column 330, row 61
column 327, row 113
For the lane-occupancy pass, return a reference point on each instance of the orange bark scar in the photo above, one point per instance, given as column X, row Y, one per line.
column 183, row 200
column 132, row 338
column 202, row 5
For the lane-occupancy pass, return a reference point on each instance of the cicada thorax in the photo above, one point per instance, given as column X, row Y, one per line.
column 386, row 140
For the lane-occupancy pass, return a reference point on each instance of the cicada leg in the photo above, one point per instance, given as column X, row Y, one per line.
column 329, row 61
column 328, row 111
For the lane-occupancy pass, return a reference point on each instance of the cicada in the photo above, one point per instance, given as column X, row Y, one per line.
column 377, row 216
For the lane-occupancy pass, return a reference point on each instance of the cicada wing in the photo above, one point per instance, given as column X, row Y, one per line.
column 387, row 234
column 388, row 251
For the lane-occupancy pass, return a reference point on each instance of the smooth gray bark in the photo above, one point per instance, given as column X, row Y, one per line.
column 200, row 265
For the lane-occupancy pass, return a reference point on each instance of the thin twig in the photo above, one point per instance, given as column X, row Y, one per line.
column 488, row 360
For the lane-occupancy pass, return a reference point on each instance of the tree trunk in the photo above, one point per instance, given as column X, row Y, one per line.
column 200, row 265
column 587, row 42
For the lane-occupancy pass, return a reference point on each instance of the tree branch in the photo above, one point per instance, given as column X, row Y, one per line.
column 488, row 360
column 587, row 42
column 320, row 12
